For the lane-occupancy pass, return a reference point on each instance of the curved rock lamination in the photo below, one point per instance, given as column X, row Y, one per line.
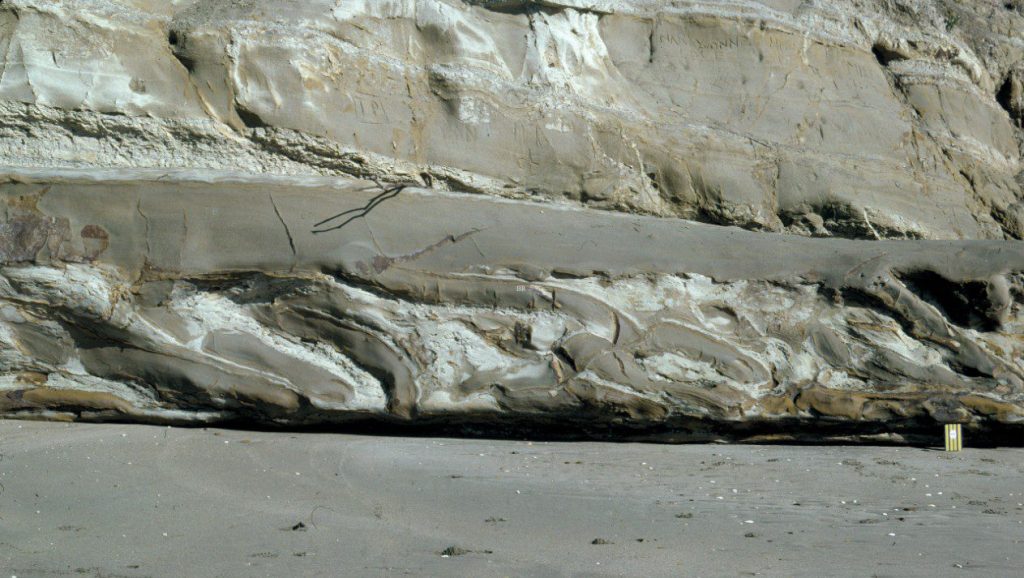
column 164, row 255
column 203, row 300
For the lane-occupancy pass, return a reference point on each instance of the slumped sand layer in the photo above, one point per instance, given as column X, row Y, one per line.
column 213, row 298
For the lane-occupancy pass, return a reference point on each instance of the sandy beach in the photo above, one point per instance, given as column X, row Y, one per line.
column 129, row 500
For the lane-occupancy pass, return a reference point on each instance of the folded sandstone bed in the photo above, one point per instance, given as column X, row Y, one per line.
column 674, row 219
column 178, row 297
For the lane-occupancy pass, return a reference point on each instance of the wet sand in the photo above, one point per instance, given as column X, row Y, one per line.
column 129, row 500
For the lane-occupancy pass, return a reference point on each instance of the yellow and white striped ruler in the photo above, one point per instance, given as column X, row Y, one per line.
column 954, row 437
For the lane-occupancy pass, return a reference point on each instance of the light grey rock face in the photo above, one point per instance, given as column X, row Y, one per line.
column 168, row 163
column 850, row 119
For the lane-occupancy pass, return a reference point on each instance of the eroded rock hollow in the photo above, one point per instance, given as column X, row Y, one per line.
column 650, row 218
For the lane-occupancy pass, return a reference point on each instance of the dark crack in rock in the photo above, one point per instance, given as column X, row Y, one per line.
column 664, row 220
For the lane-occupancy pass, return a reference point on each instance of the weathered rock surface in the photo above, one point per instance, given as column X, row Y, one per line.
column 168, row 163
column 206, row 299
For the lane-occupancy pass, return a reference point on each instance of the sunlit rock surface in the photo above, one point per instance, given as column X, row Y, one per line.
column 683, row 219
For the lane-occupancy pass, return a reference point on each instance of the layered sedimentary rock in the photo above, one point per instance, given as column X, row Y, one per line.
column 689, row 218
column 206, row 299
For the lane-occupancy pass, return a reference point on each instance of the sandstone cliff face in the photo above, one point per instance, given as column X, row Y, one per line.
column 541, row 202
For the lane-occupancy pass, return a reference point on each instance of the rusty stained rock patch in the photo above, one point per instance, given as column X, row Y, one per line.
column 48, row 397
column 26, row 236
column 95, row 241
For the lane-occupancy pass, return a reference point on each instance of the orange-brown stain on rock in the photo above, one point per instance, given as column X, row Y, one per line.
column 51, row 398
column 778, row 405
column 988, row 407
column 831, row 402
column 862, row 406
column 95, row 241
column 883, row 409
